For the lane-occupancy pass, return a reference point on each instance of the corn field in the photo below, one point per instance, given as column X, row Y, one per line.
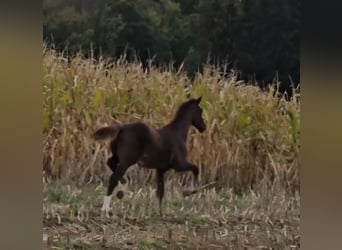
column 252, row 136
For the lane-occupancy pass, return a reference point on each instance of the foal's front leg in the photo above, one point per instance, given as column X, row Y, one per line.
column 160, row 189
column 187, row 166
column 195, row 172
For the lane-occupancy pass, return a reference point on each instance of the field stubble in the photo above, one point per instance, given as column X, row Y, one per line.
column 208, row 220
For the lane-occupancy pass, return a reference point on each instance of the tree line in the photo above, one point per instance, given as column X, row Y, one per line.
column 258, row 38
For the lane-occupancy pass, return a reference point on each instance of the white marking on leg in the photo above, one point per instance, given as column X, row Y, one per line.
column 106, row 205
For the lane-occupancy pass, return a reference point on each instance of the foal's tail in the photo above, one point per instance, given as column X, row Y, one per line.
column 105, row 132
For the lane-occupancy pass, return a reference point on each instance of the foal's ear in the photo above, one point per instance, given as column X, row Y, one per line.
column 198, row 100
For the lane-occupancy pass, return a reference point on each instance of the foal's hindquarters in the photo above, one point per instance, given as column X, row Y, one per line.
column 126, row 150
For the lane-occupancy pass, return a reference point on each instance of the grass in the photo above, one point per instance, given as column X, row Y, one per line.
column 250, row 149
column 207, row 220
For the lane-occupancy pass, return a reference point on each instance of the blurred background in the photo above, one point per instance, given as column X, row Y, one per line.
column 259, row 39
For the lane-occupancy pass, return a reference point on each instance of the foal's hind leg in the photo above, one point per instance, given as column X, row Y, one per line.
column 113, row 182
column 113, row 162
column 127, row 150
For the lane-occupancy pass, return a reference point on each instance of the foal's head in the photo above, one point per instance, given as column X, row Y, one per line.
column 196, row 114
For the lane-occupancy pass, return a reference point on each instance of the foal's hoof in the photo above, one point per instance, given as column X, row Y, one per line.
column 120, row 194
column 189, row 192
column 195, row 185
column 106, row 213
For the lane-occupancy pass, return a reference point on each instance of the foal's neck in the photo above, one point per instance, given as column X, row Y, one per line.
column 181, row 124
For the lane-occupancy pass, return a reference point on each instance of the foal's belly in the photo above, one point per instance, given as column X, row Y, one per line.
column 144, row 165
column 155, row 161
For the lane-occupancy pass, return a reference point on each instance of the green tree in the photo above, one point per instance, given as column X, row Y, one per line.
column 258, row 37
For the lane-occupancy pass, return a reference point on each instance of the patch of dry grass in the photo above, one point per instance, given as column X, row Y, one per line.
column 250, row 141
column 211, row 219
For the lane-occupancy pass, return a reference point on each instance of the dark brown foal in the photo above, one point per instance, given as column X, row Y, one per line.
column 161, row 149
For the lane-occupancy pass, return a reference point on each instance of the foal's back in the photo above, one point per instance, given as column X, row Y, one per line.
column 133, row 137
